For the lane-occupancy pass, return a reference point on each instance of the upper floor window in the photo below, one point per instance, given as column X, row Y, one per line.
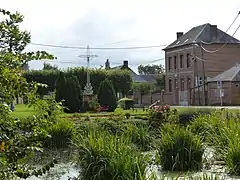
column 170, row 85
column 181, row 61
column 175, row 62
column 169, row 63
column 188, row 60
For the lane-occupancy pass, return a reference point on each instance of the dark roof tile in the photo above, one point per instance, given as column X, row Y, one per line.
column 203, row 34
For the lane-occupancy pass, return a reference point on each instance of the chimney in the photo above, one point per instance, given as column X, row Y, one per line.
column 179, row 34
column 125, row 63
column 107, row 64
column 213, row 31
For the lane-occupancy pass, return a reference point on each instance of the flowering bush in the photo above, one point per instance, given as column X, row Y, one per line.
column 158, row 115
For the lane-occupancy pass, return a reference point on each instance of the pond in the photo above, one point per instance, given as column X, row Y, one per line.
column 65, row 170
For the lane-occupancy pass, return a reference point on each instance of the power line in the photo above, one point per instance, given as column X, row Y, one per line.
column 222, row 45
column 225, row 31
column 99, row 48
column 71, row 62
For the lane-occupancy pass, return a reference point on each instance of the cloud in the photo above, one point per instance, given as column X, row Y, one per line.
column 98, row 30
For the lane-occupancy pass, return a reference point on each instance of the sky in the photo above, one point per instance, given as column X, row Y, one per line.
column 116, row 23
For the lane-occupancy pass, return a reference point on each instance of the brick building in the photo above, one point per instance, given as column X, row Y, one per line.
column 193, row 59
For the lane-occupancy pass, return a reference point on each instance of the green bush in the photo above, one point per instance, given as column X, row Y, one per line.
column 105, row 156
column 180, row 149
column 93, row 105
column 107, row 95
column 126, row 103
column 158, row 116
column 60, row 87
column 69, row 91
column 61, row 134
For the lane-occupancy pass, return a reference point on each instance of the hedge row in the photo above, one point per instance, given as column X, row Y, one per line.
column 121, row 79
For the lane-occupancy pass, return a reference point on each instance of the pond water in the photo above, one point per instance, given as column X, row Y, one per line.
column 65, row 170
column 62, row 171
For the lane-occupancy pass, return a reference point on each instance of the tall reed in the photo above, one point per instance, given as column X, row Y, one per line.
column 106, row 156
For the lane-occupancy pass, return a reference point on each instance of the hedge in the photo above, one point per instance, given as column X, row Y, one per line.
column 121, row 79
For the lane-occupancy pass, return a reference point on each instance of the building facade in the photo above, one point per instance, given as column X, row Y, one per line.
column 193, row 59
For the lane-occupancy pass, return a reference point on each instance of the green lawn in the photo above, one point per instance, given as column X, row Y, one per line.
column 22, row 110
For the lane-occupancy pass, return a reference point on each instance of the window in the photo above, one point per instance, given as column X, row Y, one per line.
column 188, row 60
column 170, row 85
column 182, row 84
column 175, row 62
column 169, row 63
column 181, row 61
column 200, row 81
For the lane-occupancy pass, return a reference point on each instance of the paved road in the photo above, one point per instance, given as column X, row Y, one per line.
column 213, row 107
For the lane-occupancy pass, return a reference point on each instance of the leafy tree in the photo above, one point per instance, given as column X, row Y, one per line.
column 16, row 145
column 107, row 95
column 143, row 88
column 151, row 69
column 47, row 66
column 160, row 81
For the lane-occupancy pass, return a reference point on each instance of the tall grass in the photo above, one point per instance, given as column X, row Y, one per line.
column 61, row 134
column 106, row 156
column 180, row 149
column 139, row 131
column 221, row 130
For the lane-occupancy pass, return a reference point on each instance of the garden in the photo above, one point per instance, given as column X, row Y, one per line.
column 65, row 136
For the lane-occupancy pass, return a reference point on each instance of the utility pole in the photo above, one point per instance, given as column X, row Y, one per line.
column 194, row 75
column 203, row 77
column 88, row 90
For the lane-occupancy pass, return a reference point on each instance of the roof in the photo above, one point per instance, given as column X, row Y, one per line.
column 138, row 78
column 203, row 33
column 232, row 74
column 147, row 78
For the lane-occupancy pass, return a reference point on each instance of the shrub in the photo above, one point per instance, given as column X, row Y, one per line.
column 60, row 87
column 93, row 105
column 126, row 103
column 128, row 115
column 105, row 156
column 158, row 116
column 69, row 90
column 107, row 95
column 180, row 150
column 61, row 134
column 187, row 115
column 74, row 96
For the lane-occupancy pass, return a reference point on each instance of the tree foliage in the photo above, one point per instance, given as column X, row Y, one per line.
column 143, row 88
column 48, row 66
column 151, row 69
column 107, row 95
column 18, row 140
column 160, row 81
